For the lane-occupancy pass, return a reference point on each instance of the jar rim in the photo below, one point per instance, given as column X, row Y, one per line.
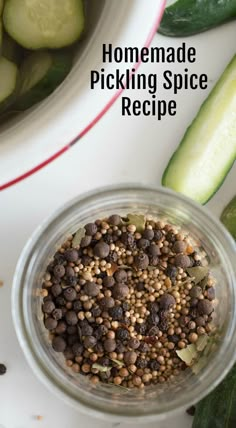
column 219, row 367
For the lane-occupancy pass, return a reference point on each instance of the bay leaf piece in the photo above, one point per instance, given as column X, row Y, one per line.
column 117, row 362
column 202, row 342
column 197, row 273
column 203, row 283
column 77, row 237
column 137, row 220
column 199, row 365
column 188, row 354
column 102, row 369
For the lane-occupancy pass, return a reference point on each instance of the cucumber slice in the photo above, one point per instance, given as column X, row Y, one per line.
column 8, row 80
column 228, row 217
column 37, row 24
column 208, row 149
column 1, row 38
column 10, row 49
column 40, row 73
column 187, row 17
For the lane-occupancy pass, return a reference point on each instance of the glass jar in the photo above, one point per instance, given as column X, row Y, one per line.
column 111, row 402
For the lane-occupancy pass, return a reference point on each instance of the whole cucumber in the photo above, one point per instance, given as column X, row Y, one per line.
column 228, row 217
column 187, row 17
column 218, row 409
column 207, row 151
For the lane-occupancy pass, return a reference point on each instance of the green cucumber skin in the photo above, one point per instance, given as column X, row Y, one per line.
column 218, row 409
column 61, row 66
column 175, row 164
column 206, row 199
column 189, row 17
column 228, row 217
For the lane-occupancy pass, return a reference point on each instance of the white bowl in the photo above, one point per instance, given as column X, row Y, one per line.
column 38, row 136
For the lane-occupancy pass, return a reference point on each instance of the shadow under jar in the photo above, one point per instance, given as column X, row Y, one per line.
column 156, row 401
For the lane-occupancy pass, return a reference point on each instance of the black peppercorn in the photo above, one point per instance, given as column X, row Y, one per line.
column 127, row 239
column 116, row 313
column 143, row 244
column 154, row 365
column 122, row 334
column 141, row 363
column 148, row 234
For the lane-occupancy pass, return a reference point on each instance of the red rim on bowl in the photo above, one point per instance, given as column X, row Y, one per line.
column 93, row 122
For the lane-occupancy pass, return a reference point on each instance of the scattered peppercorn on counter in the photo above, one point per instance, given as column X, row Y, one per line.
column 129, row 301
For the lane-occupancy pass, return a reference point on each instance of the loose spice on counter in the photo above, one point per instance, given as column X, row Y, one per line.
column 191, row 411
column 3, row 369
column 39, row 418
column 120, row 303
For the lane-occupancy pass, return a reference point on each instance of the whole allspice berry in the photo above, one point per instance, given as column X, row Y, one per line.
column 120, row 291
column 91, row 289
column 48, row 307
column 70, row 294
column 109, row 345
column 71, row 255
column 59, row 271
column 179, row 247
column 130, row 357
column 58, row 344
column 195, row 292
column 91, row 229
column 114, row 219
column 166, row 301
column 141, row 261
column 101, row 250
column 120, row 275
column 205, row 307
column 107, row 303
column 183, row 261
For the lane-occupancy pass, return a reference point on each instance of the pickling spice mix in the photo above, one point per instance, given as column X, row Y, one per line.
column 129, row 301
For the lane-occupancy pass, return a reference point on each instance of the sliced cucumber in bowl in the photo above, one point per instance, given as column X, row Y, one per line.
column 1, row 31
column 10, row 49
column 38, row 24
column 40, row 74
column 8, row 82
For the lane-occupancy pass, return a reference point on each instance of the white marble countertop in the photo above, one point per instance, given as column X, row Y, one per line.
column 116, row 150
